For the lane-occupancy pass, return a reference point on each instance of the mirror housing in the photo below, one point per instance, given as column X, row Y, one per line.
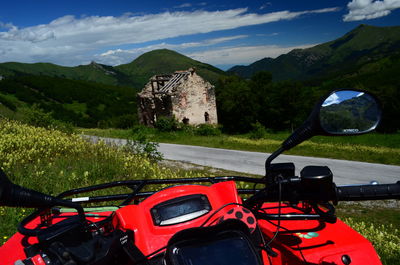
column 349, row 112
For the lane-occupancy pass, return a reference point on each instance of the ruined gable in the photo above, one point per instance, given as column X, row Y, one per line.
column 183, row 95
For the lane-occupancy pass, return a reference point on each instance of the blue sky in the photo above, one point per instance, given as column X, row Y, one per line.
column 219, row 32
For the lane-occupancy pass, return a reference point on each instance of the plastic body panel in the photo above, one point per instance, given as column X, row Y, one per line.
column 316, row 242
column 149, row 237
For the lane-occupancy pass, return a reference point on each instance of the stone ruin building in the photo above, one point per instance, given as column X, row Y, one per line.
column 183, row 95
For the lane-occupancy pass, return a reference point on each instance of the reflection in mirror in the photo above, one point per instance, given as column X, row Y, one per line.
column 349, row 112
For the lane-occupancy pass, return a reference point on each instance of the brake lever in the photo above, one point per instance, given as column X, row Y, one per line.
column 327, row 216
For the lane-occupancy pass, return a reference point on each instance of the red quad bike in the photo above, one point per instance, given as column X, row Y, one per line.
column 284, row 219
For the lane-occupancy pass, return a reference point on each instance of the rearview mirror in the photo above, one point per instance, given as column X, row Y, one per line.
column 342, row 112
column 349, row 112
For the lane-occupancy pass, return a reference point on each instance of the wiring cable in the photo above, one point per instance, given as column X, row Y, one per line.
column 279, row 212
column 284, row 228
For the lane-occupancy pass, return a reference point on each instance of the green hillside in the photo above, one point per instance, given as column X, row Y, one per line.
column 92, row 72
column 165, row 62
column 364, row 44
column 82, row 103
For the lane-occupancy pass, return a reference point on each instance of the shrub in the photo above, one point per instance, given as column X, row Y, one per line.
column 207, row 130
column 24, row 144
column 37, row 117
column 124, row 121
column 143, row 147
column 66, row 127
column 142, row 129
column 258, row 131
column 6, row 102
column 103, row 124
column 166, row 124
column 187, row 129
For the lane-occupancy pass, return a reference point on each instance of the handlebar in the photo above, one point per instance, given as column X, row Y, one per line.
column 294, row 191
column 368, row 192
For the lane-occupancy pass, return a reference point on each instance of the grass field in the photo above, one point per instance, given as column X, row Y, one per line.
column 375, row 148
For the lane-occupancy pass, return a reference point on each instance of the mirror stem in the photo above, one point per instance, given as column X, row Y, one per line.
column 272, row 157
column 305, row 132
column 301, row 134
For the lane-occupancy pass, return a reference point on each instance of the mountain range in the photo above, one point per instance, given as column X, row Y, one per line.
column 135, row 74
column 363, row 45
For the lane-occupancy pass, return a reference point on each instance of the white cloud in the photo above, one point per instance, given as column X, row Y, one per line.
column 8, row 26
column 332, row 99
column 69, row 40
column 265, row 5
column 370, row 9
column 325, row 10
column 183, row 5
column 268, row 35
column 219, row 40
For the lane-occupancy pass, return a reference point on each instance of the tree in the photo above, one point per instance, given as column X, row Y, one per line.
column 235, row 104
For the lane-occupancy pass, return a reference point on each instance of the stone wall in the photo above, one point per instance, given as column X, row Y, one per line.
column 191, row 100
column 194, row 100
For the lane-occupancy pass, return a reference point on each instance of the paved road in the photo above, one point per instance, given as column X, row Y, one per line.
column 345, row 172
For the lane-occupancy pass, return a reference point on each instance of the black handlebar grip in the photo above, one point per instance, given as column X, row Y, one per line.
column 368, row 192
column 17, row 196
